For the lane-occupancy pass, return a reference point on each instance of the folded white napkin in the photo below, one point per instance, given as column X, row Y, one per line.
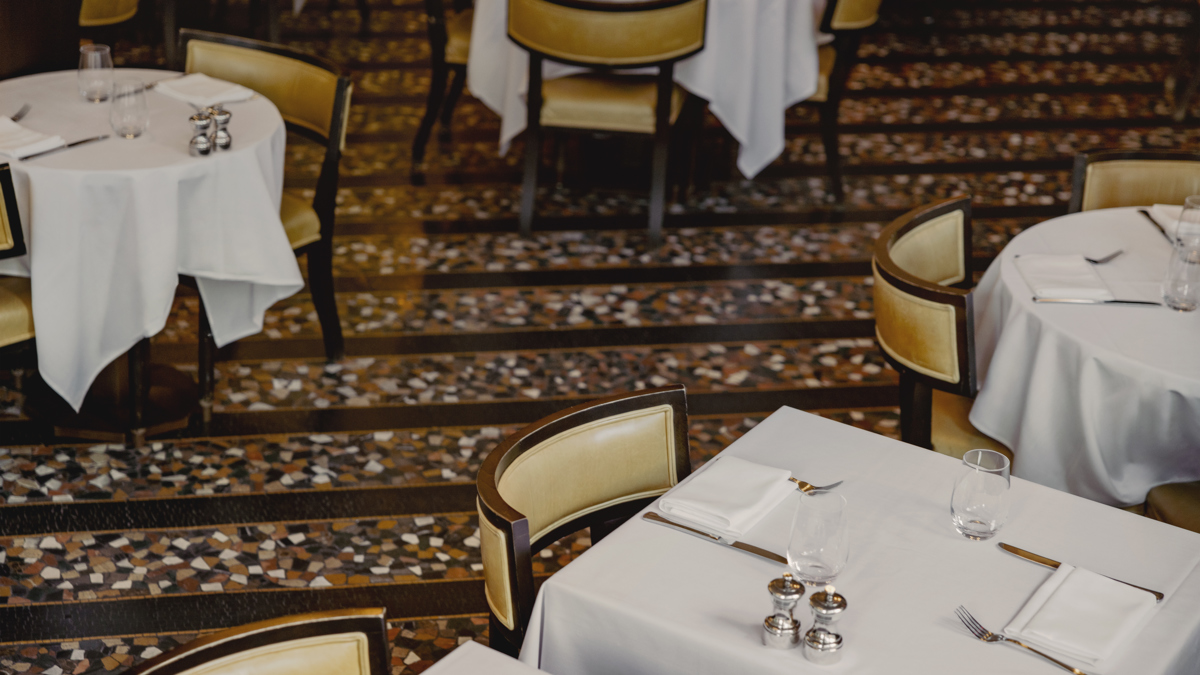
column 17, row 141
column 1082, row 615
column 729, row 497
column 1062, row 276
column 202, row 90
column 1168, row 215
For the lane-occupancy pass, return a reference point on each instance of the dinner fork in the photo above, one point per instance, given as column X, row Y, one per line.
column 1101, row 261
column 21, row 113
column 988, row 636
column 809, row 487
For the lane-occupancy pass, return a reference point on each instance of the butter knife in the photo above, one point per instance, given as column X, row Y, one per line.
column 1154, row 222
column 1083, row 301
column 63, row 147
column 1053, row 564
column 754, row 550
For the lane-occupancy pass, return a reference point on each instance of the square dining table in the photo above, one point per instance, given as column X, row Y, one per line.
column 648, row 599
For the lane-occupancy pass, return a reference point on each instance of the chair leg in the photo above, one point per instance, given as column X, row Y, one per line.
column 916, row 410
column 828, row 113
column 437, row 93
column 364, row 18
column 662, row 139
column 170, row 27
column 205, row 367
column 456, row 89
column 533, row 144
column 498, row 638
column 320, row 284
column 139, row 392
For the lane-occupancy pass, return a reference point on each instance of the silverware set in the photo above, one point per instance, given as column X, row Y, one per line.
column 986, row 635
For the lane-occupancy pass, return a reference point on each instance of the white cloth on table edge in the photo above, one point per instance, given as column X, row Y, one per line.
column 472, row 658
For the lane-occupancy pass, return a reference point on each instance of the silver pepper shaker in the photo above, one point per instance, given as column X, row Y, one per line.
column 822, row 647
column 827, row 607
column 200, row 144
column 221, row 117
column 822, row 643
column 781, row 630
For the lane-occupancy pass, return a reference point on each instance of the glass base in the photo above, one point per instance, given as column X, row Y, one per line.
column 975, row 530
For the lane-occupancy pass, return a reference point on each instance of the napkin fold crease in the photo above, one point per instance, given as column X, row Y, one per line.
column 729, row 497
column 1062, row 276
column 18, row 142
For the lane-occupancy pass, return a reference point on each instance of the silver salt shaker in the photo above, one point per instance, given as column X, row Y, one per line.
column 822, row 643
column 827, row 607
column 781, row 630
column 822, row 647
column 221, row 137
column 200, row 144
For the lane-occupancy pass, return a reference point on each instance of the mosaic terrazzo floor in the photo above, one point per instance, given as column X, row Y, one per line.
column 760, row 297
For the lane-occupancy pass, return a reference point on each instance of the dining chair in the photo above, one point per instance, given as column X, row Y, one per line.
column 313, row 96
column 106, row 12
column 1105, row 179
column 608, row 37
column 1177, row 504
column 449, row 46
column 592, row 465
column 16, row 298
column 924, row 322
column 346, row 641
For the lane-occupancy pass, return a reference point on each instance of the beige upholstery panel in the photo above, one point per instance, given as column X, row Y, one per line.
column 827, row 56
column 493, row 545
column 106, row 12
column 300, row 221
column 916, row 332
column 933, row 250
column 610, row 103
column 16, row 310
column 606, row 462
column 1177, row 504
column 855, row 14
column 607, row 38
column 7, row 240
column 953, row 434
column 304, row 93
column 345, row 654
column 1139, row 182
column 458, row 32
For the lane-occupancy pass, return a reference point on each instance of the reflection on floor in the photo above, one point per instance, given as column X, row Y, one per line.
column 328, row 485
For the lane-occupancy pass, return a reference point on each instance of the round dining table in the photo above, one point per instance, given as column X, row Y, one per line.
column 111, row 225
column 1099, row 400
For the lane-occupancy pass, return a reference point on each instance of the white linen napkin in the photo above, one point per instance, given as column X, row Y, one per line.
column 19, row 142
column 1080, row 614
column 1168, row 216
column 1062, row 276
column 202, row 90
column 730, row 497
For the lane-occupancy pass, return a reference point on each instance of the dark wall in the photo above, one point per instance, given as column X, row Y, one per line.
column 38, row 35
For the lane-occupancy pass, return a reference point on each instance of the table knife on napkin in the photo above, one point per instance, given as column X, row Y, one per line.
column 1090, row 301
column 1053, row 564
column 748, row 548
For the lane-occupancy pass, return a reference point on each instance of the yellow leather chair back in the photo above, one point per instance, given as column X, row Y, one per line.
column 617, row 37
column 106, row 12
column 854, row 14
column 1139, row 182
column 304, row 93
column 917, row 332
column 8, row 238
column 345, row 654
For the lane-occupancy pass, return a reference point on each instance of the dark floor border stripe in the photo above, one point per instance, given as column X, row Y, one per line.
column 795, row 170
column 1017, row 57
column 956, row 127
column 208, row 611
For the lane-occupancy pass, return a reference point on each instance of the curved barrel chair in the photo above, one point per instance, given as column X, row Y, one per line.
column 1105, row 179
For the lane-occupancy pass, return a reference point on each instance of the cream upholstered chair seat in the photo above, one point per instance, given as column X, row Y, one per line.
column 1108, row 179
column 952, row 432
column 458, row 36
column 300, row 221
column 607, row 103
column 1177, row 504
column 16, row 311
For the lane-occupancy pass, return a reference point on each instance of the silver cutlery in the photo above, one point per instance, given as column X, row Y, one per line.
column 748, row 548
column 21, row 113
column 1107, row 258
column 1053, row 564
column 64, row 147
column 988, row 636
column 809, row 487
column 1084, row 301
column 1154, row 222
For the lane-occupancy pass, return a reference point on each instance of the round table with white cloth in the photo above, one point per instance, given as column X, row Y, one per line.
column 759, row 59
column 1102, row 401
column 111, row 225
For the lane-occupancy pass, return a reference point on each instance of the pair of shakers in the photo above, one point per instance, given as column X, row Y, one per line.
column 209, row 132
column 781, row 630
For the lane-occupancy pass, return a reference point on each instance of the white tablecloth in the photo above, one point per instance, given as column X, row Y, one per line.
column 472, row 658
column 111, row 225
column 650, row 600
column 759, row 59
column 1102, row 401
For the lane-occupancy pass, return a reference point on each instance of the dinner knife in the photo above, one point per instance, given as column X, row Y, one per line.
column 63, row 147
column 1154, row 222
column 1085, row 301
column 754, row 550
column 1053, row 564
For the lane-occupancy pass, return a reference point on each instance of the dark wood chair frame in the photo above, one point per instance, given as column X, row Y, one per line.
column 371, row 622
column 1085, row 159
column 439, row 101
column 662, row 123
column 916, row 389
column 320, row 252
column 22, row 355
column 514, row 523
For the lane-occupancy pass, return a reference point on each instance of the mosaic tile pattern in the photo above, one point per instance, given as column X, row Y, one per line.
column 942, row 109
column 1020, row 44
column 936, row 75
column 1088, row 16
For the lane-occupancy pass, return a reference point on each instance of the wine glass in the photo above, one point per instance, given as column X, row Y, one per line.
column 130, row 114
column 819, row 545
column 979, row 503
column 95, row 72
column 1181, row 287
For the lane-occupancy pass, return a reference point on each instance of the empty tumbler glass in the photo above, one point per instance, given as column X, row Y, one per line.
column 1181, row 287
column 130, row 115
column 979, row 503
column 819, row 546
column 95, row 72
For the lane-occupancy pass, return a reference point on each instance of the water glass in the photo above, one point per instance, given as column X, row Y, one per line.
column 1181, row 287
column 95, row 72
column 819, row 545
column 979, row 503
column 130, row 115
